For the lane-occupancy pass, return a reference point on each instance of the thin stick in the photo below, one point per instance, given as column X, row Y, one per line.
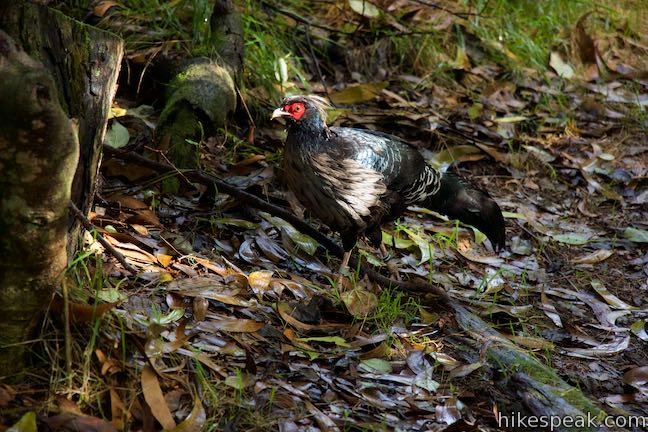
column 109, row 248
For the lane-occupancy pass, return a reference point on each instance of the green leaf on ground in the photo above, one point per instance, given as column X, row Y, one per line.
column 117, row 135
column 636, row 235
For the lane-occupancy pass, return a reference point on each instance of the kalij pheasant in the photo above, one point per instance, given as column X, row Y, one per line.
column 355, row 180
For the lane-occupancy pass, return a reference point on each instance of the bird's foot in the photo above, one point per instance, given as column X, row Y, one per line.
column 391, row 265
column 393, row 270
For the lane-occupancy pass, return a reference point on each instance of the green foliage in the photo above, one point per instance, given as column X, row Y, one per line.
column 230, row 402
column 270, row 46
column 394, row 308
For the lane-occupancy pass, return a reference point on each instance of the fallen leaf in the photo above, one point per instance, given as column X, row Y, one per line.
column 195, row 421
column 563, row 69
column 639, row 329
column 117, row 135
column 473, row 255
column 464, row 370
column 358, row 93
column 364, row 8
column 303, row 241
column 636, row 235
column 360, row 302
column 637, row 377
column 375, row 365
column 571, row 238
column 155, row 399
column 603, row 350
column 233, row 325
column 610, row 298
column 594, row 257
column 337, row 340
column 259, row 281
column 510, row 119
column 80, row 312
column 27, row 423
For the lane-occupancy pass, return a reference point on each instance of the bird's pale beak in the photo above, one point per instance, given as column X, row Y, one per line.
column 279, row 112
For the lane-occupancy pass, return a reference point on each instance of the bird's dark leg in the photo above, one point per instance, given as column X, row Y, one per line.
column 375, row 238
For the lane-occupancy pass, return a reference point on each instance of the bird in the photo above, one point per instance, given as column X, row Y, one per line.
column 355, row 180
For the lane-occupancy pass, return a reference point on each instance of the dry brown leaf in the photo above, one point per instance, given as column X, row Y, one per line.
column 141, row 213
column 285, row 311
column 259, row 281
column 232, row 325
column 102, row 7
column 155, row 399
column 200, row 306
column 473, row 255
column 360, row 302
column 164, row 260
column 594, row 257
column 204, row 359
column 195, row 421
column 219, row 270
column 73, row 422
column 381, row 351
column 562, row 68
column 118, row 410
column 108, row 366
column 582, row 43
column 323, row 421
column 81, row 312
column 532, row 342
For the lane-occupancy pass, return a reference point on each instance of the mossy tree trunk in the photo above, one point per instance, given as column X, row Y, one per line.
column 84, row 62
column 57, row 80
column 35, row 184
column 202, row 92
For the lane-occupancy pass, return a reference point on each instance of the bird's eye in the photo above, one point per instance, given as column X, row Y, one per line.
column 298, row 108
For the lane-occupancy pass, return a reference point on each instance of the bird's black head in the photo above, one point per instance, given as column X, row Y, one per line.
column 303, row 111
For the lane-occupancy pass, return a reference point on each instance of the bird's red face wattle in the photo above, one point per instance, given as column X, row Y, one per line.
column 296, row 110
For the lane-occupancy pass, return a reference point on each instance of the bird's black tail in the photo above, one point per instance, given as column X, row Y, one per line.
column 459, row 199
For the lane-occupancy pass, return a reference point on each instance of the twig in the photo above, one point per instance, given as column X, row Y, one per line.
column 111, row 250
column 461, row 15
column 259, row 203
column 223, row 186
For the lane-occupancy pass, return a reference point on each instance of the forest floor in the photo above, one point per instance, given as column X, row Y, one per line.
column 234, row 323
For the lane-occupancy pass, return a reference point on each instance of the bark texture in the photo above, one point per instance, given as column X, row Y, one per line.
column 39, row 150
column 52, row 69
column 84, row 62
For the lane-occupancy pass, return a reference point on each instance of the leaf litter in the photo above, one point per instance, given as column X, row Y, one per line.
column 233, row 296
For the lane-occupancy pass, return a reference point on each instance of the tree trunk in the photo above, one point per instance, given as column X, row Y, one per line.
column 67, row 70
column 84, row 62
column 35, row 184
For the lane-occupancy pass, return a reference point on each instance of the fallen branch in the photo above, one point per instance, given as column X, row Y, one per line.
column 259, row 203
